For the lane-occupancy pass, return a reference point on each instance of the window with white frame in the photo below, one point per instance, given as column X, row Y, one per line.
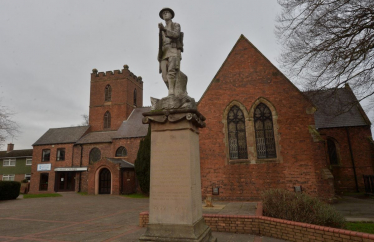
column 28, row 162
column 8, row 177
column 9, row 162
column 27, row 177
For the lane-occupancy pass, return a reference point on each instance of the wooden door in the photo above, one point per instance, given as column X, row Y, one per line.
column 104, row 181
column 128, row 181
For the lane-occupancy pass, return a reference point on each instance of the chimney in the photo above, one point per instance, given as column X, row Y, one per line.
column 10, row 147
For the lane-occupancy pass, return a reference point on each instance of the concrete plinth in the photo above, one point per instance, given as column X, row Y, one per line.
column 175, row 212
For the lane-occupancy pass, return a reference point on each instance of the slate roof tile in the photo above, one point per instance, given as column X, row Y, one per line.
column 16, row 153
column 337, row 108
column 133, row 126
column 97, row 137
column 62, row 135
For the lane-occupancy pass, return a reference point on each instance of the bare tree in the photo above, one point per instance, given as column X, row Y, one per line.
column 328, row 43
column 8, row 128
column 86, row 119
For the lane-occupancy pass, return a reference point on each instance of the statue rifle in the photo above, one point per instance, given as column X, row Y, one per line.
column 160, row 49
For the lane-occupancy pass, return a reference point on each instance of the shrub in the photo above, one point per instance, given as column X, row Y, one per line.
column 9, row 190
column 300, row 207
column 142, row 163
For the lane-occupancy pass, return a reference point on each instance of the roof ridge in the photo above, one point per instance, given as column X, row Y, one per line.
column 71, row 127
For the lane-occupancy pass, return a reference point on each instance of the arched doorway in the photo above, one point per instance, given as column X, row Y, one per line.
column 105, row 181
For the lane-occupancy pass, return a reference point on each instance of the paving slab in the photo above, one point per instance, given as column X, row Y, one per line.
column 75, row 217
column 355, row 209
column 231, row 208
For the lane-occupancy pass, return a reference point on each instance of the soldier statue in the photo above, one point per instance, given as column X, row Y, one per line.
column 170, row 48
column 169, row 57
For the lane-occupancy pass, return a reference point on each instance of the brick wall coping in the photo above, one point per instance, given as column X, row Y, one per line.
column 272, row 221
column 316, row 227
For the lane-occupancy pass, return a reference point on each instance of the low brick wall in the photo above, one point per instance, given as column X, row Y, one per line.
column 276, row 228
column 143, row 219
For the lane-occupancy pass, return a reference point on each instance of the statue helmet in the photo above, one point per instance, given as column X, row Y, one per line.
column 170, row 10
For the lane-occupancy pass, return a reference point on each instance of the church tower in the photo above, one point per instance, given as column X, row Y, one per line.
column 113, row 96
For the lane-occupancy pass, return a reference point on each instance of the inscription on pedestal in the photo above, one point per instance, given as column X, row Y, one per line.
column 173, row 175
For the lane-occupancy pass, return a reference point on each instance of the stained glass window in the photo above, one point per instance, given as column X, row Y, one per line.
column 265, row 142
column 236, row 134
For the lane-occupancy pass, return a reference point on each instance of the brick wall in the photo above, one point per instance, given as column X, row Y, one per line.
column 247, row 77
column 93, row 177
column 121, row 105
column 37, row 159
column 276, row 228
column 363, row 156
column 131, row 145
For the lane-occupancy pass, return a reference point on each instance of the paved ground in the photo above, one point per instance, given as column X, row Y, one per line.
column 91, row 218
column 114, row 218
column 360, row 208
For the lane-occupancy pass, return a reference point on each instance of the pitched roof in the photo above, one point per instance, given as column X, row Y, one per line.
column 133, row 126
column 337, row 108
column 16, row 153
column 123, row 163
column 97, row 137
column 62, row 135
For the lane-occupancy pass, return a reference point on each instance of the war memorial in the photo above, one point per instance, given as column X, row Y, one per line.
column 175, row 212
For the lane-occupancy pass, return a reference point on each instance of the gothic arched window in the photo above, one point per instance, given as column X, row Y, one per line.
column 107, row 120
column 135, row 96
column 121, row 152
column 236, row 134
column 333, row 154
column 108, row 93
column 264, row 131
column 95, row 155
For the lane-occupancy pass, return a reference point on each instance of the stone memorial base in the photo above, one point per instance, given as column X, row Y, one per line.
column 175, row 211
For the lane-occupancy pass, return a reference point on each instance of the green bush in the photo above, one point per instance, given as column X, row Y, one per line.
column 142, row 163
column 9, row 190
column 300, row 207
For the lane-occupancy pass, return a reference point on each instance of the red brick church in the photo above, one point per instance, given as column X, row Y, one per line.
column 262, row 132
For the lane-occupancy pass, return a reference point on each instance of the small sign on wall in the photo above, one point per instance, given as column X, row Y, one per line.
column 215, row 191
column 44, row 167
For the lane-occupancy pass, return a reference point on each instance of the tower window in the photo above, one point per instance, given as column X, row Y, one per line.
column 108, row 93
column 107, row 120
column 135, row 96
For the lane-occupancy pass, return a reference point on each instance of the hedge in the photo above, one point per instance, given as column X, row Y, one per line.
column 300, row 207
column 9, row 190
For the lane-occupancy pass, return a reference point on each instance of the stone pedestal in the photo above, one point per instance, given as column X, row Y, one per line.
column 175, row 208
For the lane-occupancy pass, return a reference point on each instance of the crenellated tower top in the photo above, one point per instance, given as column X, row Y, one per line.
column 113, row 96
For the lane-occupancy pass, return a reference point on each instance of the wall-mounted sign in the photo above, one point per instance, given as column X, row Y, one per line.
column 297, row 188
column 215, row 191
column 44, row 167
column 71, row 169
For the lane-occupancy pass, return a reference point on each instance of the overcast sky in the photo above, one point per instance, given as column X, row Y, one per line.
column 49, row 48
